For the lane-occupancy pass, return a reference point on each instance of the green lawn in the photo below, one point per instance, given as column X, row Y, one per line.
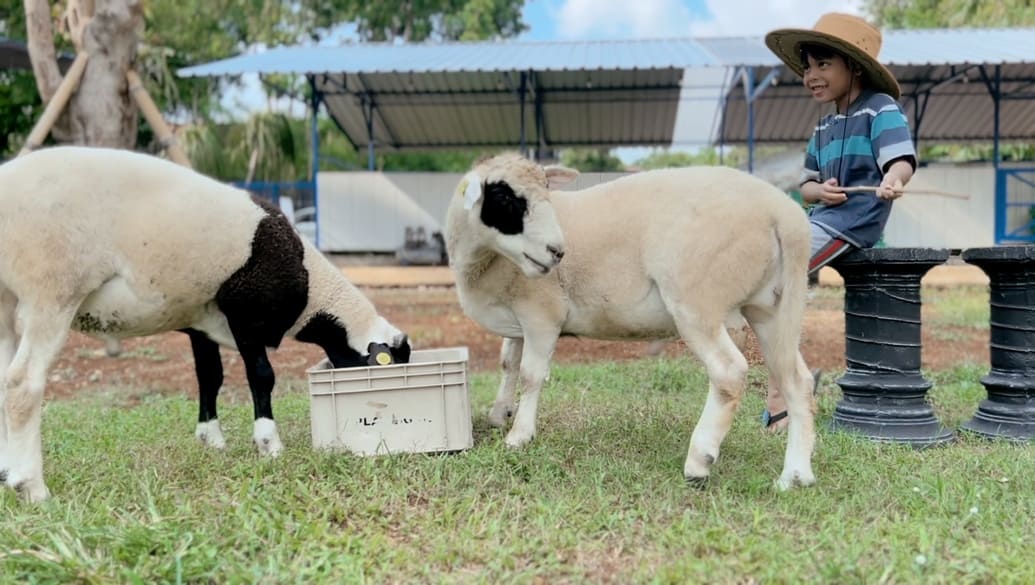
column 597, row 497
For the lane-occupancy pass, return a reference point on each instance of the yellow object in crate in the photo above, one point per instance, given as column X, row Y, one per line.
column 421, row 406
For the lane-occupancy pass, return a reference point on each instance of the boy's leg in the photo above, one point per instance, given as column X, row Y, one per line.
column 825, row 248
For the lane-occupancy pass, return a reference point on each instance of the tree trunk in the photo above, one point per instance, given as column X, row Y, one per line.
column 39, row 33
column 101, row 112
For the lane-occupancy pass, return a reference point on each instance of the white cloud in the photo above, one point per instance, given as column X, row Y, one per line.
column 583, row 19
column 753, row 18
column 622, row 19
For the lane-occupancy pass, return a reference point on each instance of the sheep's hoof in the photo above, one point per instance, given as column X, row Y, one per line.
column 790, row 479
column 30, row 490
column 499, row 417
column 269, row 447
column 517, row 441
column 266, row 438
column 698, row 483
column 210, row 434
column 698, row 465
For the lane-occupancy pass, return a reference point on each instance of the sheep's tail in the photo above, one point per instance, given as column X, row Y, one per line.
column 792, row 236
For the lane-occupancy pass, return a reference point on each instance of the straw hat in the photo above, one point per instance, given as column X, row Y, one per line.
column 848, row 35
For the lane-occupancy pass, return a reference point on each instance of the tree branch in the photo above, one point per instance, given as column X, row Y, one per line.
column 40, row 34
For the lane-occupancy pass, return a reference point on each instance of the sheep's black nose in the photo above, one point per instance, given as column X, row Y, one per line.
column 557, row 252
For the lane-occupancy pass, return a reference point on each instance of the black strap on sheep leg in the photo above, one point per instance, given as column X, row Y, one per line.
column 769, row 420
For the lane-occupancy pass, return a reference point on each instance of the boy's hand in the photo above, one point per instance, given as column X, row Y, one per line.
column 890, row 188
column 830, row 193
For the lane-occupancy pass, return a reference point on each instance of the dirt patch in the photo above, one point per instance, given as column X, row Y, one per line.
column 163, row 364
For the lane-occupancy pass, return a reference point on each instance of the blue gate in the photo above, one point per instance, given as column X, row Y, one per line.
column 1015, row 205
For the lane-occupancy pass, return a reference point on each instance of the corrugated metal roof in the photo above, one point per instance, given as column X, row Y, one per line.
column 628, row 92
column 901, row 47
column 494, row 56
column 456, row 110
column 954, row 110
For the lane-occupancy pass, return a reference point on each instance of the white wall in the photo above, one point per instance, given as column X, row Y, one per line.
column 369, row 212
column 932, row 221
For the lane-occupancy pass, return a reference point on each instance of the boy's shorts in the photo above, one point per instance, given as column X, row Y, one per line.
column 825, row 248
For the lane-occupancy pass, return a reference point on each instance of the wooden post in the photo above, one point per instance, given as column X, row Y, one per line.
column 57, row 103
column 154, row 118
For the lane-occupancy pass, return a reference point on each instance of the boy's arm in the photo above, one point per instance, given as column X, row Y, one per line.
column 827, row 192
column 896, row 176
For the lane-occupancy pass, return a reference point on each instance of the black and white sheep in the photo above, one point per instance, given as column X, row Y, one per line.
column 654, row 255
column 117, row 244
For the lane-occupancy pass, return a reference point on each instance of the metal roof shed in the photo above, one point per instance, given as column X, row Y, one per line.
column 958, row 84
column 948, row 79
column 492, row 94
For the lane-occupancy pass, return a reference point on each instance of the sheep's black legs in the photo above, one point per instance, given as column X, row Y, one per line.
column 261, row 379
column 209, row 369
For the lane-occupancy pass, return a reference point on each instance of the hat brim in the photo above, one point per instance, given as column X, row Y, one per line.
column 786, row 43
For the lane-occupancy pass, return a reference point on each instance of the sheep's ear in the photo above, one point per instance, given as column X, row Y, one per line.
column 470, row 188
column 557, row 175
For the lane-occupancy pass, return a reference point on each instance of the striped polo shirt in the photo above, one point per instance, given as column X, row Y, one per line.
column 855, row 148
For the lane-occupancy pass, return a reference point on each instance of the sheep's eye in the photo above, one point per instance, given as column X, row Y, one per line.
column 502, row 209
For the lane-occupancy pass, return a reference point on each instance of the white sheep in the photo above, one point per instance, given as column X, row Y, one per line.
column 117, row 244
column 654, row 255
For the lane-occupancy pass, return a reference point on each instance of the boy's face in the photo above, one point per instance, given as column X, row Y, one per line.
column 828, row 78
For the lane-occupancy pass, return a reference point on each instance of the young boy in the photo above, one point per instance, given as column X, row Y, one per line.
column 865, row 142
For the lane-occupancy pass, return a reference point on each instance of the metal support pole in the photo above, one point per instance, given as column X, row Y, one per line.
column 1009, row 410
column 997, row 96
column 540, row 130
column 749, row 94
column 522, row 90
column 1000, row 182
column 722, row 115
column 314, row 130
column 314, row 147
column 885, row 395
column 368, row 113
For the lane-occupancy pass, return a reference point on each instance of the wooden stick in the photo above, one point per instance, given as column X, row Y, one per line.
column 56, row 104
column 909, row 192
column 154, row 118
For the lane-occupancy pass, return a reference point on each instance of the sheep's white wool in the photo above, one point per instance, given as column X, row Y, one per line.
column 653, row 255
column 211, row 434
column 118, row 244
column 266, row 437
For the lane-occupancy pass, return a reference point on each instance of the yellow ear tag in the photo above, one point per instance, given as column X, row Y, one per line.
column 384, row 358
column 462, row 187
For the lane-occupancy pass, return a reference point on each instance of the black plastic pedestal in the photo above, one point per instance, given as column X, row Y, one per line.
column 1009, row 410
column 885, row 395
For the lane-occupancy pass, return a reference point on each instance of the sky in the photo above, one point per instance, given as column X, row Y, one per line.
column 629, row 19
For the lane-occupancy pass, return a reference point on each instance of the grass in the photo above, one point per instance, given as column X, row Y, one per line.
column 597, row 497
column 958, row 306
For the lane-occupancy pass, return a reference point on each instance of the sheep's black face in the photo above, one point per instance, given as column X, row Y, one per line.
column 380, row 354
column 502, row 209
